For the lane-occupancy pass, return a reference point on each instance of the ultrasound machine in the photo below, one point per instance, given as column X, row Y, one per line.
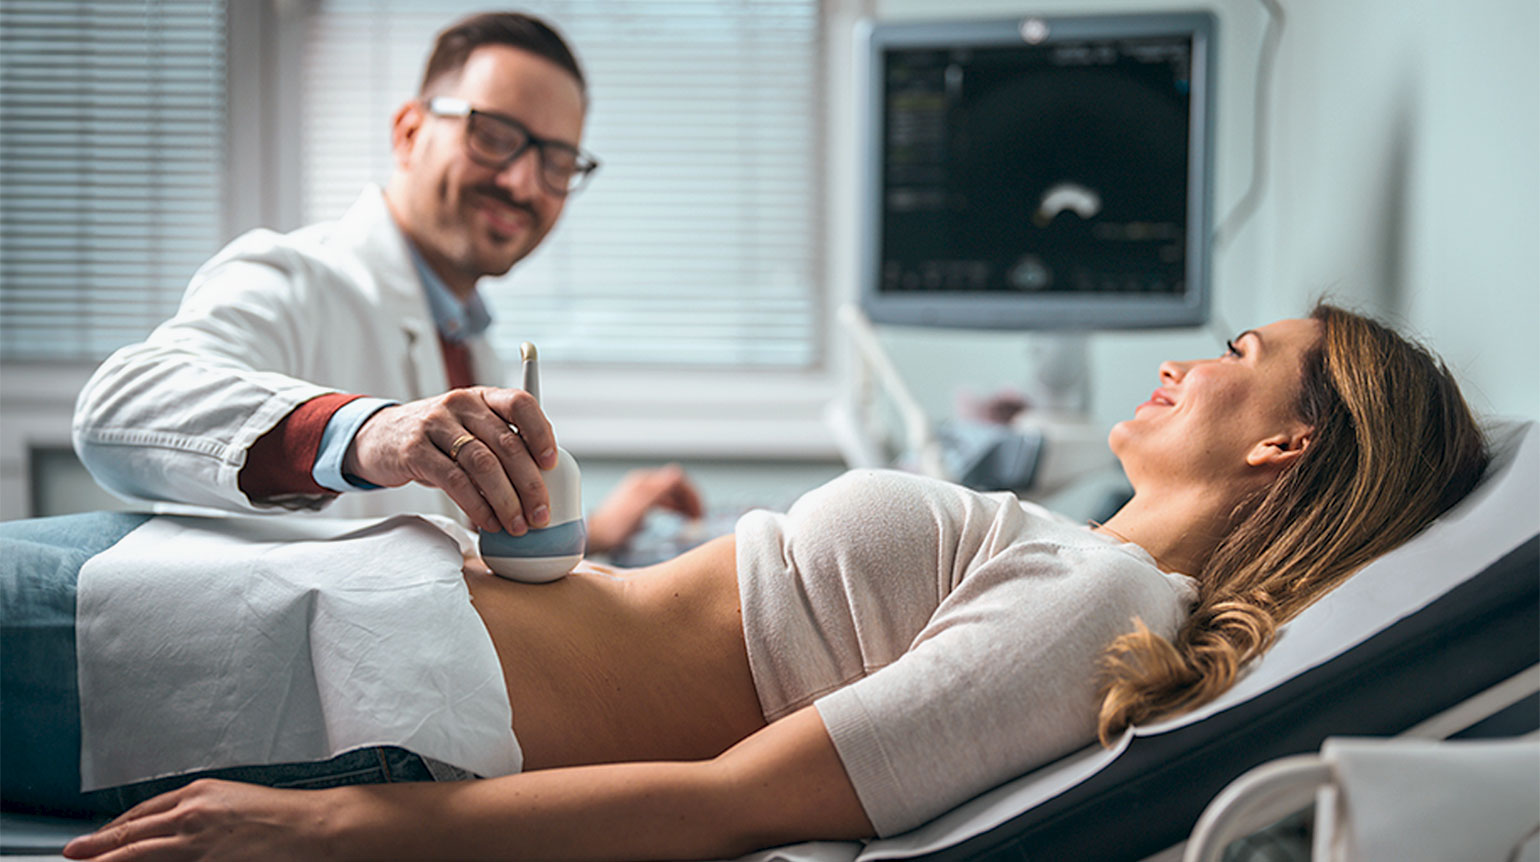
column 1049, row 176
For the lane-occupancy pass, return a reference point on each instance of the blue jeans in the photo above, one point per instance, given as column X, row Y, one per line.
column 40, row 564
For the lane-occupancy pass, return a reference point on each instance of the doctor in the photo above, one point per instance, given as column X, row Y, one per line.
column 347, row 358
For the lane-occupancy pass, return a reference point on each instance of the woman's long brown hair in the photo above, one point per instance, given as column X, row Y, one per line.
column 1394, row 446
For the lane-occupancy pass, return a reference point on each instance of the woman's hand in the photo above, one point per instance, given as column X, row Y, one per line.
column 213, row 820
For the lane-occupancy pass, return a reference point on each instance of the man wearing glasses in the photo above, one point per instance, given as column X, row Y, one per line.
column 345, row 356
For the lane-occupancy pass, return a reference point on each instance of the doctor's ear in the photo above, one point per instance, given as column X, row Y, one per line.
column 404, row 127
column 1280, row 450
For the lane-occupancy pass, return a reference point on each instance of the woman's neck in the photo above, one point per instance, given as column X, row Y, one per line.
column 1180, row 531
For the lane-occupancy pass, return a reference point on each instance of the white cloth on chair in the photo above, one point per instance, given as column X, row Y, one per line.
column 1405, row 800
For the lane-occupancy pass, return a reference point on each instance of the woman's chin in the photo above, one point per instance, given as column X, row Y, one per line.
column 1116, row 437
column 1122, row 440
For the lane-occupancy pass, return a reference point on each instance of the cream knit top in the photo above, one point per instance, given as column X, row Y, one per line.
column 948, row 639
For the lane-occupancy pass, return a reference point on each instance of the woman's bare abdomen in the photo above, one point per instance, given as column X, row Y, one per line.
column 649, row 665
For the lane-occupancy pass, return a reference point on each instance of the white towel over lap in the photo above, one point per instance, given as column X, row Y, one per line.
column 205, row 643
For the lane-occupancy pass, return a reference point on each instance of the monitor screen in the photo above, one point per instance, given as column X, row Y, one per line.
column 1038, row 173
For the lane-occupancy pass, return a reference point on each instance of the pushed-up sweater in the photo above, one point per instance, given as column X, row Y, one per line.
column 950, row 640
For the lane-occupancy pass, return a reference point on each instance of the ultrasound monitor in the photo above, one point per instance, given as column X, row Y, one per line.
column 1038, row 173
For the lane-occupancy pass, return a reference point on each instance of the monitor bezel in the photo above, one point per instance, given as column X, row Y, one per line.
column 1038, row 311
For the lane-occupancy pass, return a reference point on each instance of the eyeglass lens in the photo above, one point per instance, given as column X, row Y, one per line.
column 497, row 142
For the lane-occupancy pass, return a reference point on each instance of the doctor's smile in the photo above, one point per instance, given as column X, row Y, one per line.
column 506, row 217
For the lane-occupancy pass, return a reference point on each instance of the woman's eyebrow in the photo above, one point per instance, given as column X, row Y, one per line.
column 1253, row 333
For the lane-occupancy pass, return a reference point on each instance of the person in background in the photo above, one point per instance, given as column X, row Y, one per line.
column 350, row 356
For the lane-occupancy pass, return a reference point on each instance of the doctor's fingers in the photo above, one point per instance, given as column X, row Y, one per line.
column 436, row 469
column 502, row 467
column 520, row 409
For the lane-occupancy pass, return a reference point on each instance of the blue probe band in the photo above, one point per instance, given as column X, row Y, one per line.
column 554, row 541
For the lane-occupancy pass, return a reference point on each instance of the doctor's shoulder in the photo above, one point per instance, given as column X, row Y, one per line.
column 302, row 269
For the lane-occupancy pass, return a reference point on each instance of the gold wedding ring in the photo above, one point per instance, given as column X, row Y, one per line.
column 458, row 444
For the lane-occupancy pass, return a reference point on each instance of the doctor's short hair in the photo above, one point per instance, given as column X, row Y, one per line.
column 526, row 32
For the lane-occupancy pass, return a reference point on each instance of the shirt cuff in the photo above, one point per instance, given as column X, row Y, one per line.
column 335, row 440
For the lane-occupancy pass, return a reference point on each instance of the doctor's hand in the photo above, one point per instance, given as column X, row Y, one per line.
column 462, row 442
column 621, row 514
column 212, row 820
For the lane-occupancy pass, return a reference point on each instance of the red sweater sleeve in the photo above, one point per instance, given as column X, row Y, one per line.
column 280, row 462
column 457, row 363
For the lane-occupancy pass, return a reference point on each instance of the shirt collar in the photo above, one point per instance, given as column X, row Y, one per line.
column 456, row 320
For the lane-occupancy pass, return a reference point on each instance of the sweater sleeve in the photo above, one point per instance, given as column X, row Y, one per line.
column 280, row 464
column 1003, row 679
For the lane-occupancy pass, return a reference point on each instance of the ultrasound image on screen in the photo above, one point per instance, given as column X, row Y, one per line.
column 1050, row 168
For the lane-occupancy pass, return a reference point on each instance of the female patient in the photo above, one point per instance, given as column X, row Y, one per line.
column 894, row 645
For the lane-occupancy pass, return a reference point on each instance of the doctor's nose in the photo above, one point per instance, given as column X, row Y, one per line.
column 521, row 177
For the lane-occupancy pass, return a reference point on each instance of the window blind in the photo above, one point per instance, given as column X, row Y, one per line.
column 111, row 167
column 698, row 242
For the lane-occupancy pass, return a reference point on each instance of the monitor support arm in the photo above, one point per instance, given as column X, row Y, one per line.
column 853, row 420
column 1072, row 447
column 1061, row 374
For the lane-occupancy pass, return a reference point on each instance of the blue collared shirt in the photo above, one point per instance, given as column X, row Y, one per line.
column 455, row 320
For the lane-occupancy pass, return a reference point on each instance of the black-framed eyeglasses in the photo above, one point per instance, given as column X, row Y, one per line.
column 495, row 141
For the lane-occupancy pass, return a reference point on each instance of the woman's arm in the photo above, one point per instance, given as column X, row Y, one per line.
column 783, row 784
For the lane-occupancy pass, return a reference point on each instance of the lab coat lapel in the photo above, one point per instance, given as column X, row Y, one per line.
column 486, row 365
column 425, row 360
column 383, row 246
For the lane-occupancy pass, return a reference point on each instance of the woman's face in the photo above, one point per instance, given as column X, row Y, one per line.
column 1217, row 419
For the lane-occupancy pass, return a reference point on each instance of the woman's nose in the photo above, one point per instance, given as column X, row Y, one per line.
column 1172, row 372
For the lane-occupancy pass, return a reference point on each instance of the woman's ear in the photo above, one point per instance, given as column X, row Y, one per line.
column 1280, row 450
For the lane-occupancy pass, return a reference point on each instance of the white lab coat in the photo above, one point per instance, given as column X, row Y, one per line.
column 268, row 323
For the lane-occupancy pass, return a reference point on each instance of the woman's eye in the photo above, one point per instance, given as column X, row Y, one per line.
column 1231, row 349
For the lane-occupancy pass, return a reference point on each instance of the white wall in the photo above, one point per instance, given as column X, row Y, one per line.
column 1408, row 165
column 1402, row 179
